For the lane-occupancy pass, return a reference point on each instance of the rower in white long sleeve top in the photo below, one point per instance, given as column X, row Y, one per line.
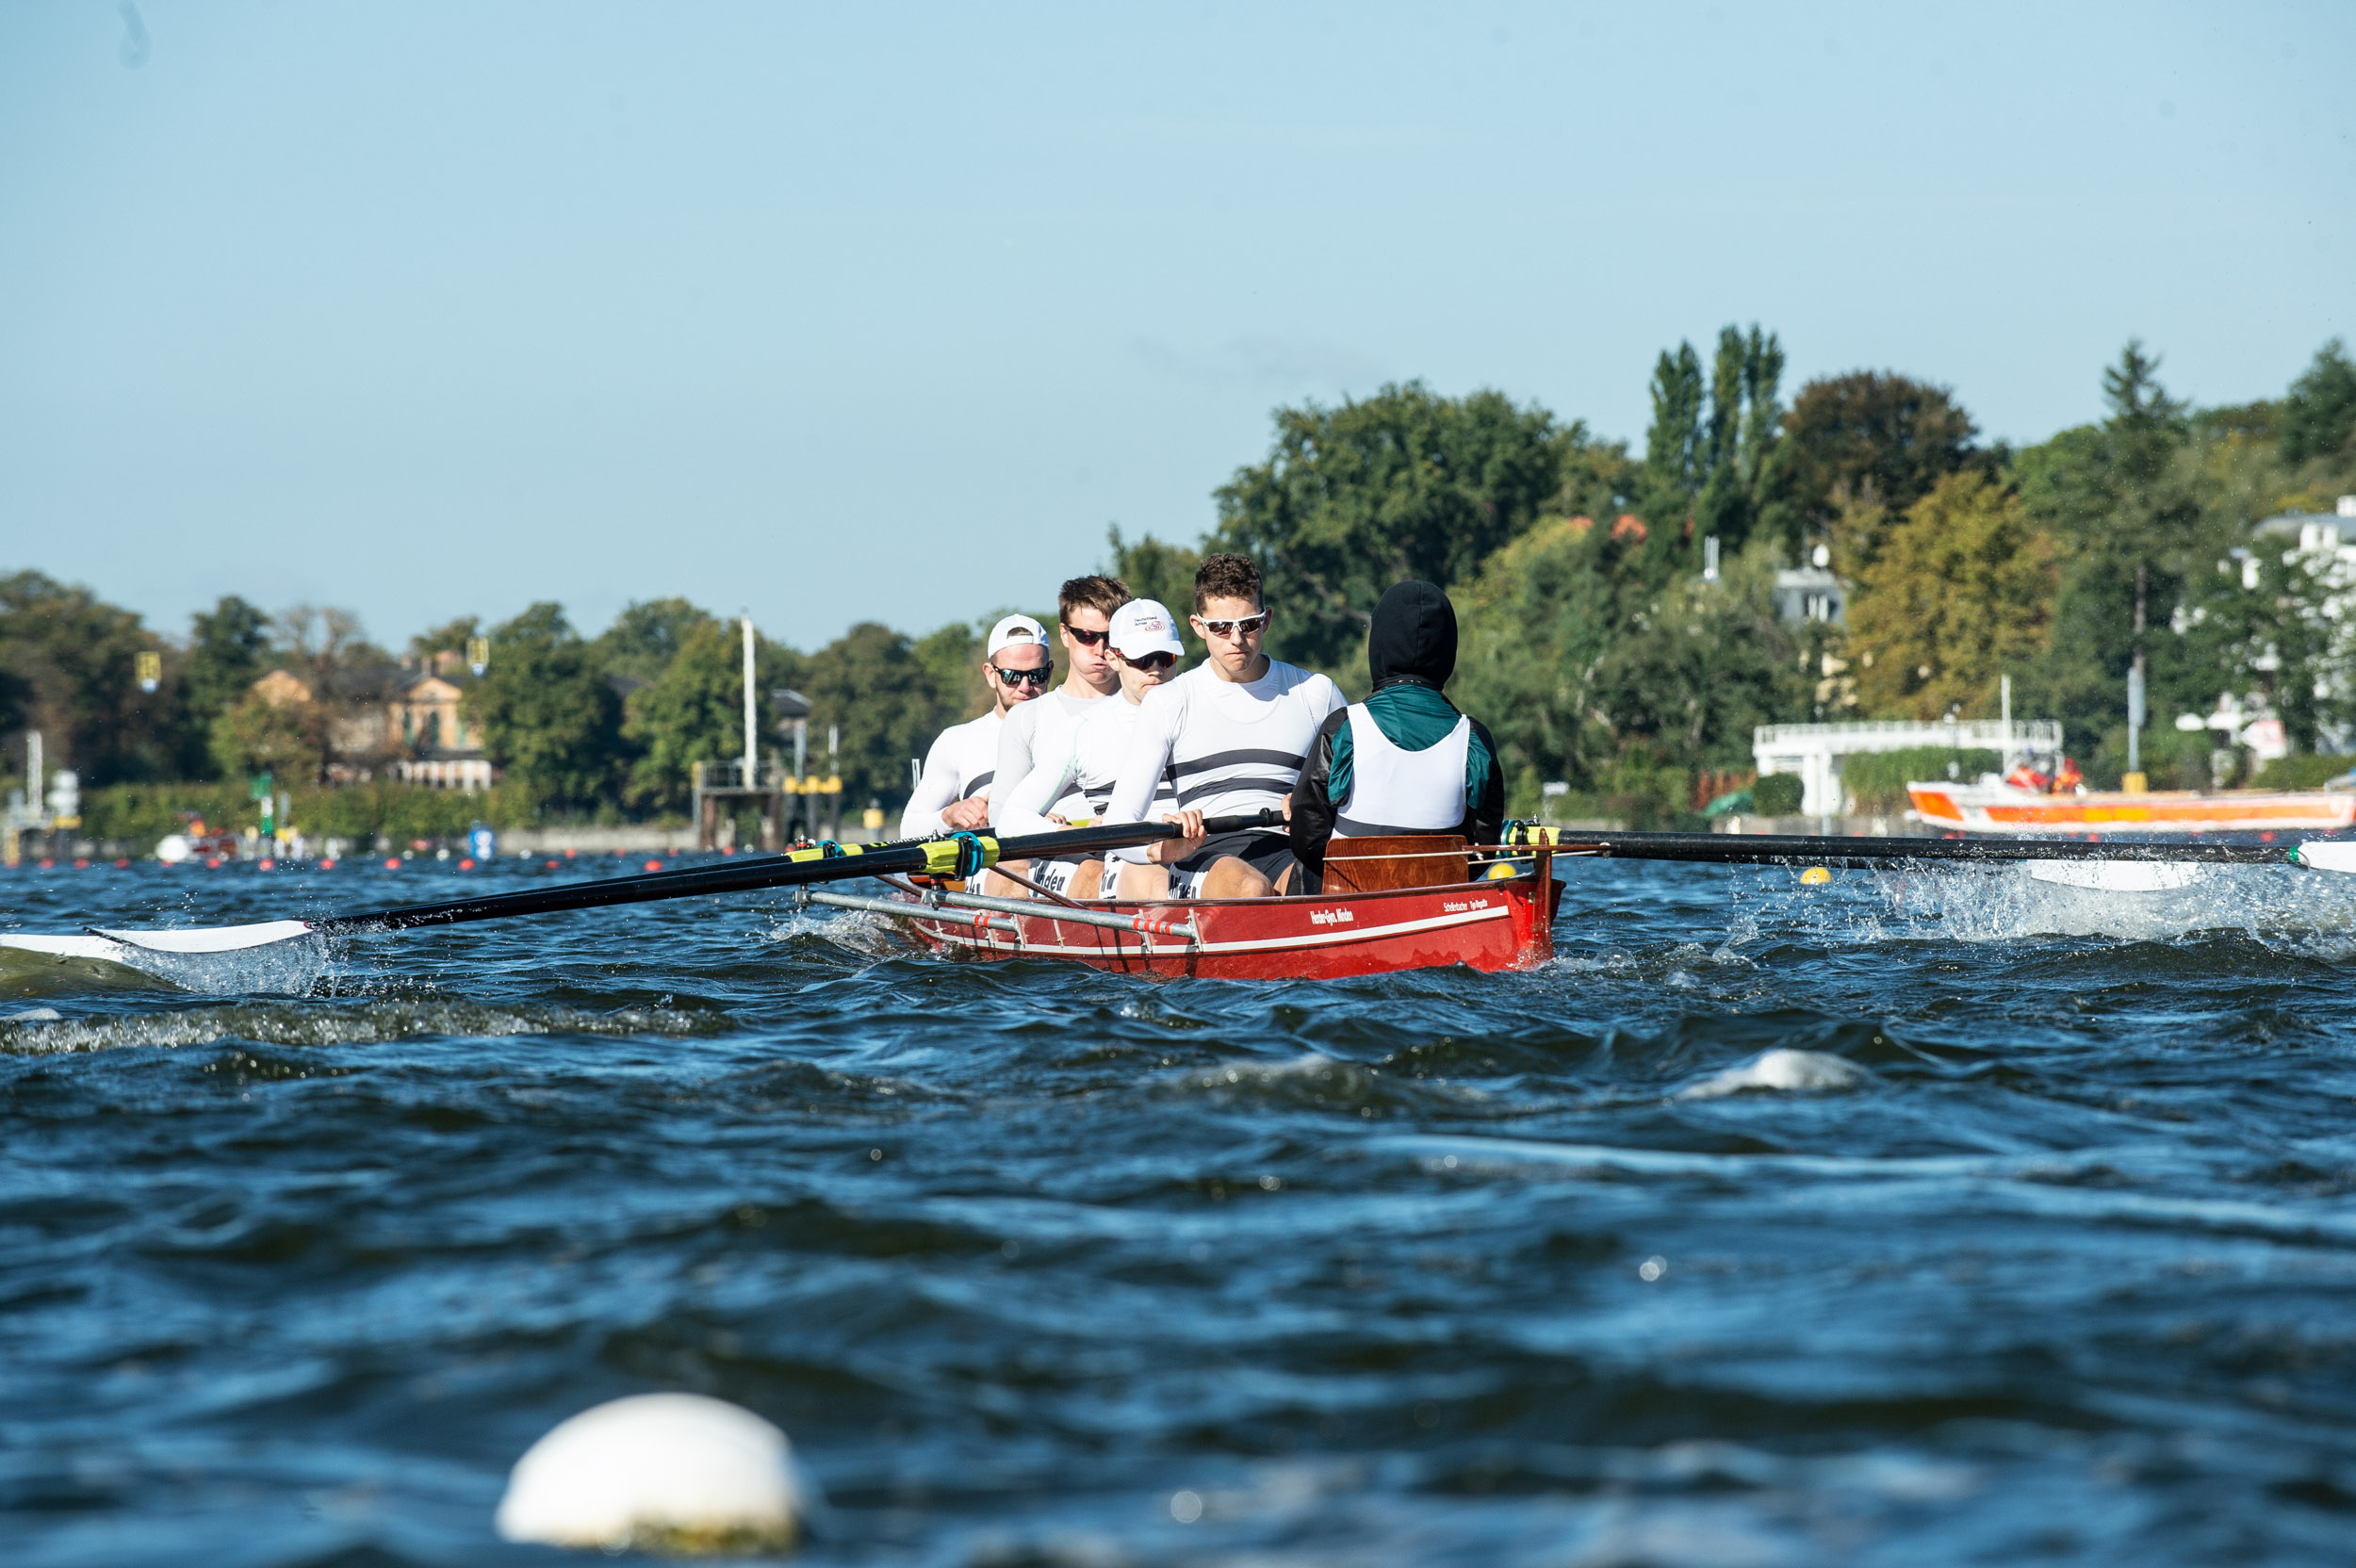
column 1085, row 608
column 1031, row 735
column 962, row 765
column 1061, row 789
column 951, row 792
column 1229, row 736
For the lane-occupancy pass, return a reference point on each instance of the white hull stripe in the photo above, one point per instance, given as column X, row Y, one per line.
column 1175, row 947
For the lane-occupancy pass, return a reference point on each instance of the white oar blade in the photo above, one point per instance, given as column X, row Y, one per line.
column 2117, row 877
column 2328, row 854
column 213, row 939
column 64, row 947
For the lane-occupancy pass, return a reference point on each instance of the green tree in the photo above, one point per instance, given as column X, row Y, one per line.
column 646, row 636
column 228, row 651
column 1961, row 594
column 872, row 686
column 288, row 739
column 1714, row 460
column 549, row 716
column 1677, row 457
column 1406, row 483
column 449, row 637
column 1591, row 668
column 693, row 711
column 71, row 667
column 1536, row 623
column 951, row 659
column 1864, row 447
column 1154, row 570
column 2319, row 415
column 2129, row 535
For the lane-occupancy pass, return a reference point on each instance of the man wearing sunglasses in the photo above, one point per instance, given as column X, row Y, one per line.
column 1084, row 608
column 1144, row 643
column 1231, row 735
column 952, row 792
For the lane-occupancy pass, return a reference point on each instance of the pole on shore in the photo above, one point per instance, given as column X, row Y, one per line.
column 752, row 735
column 2004, row 685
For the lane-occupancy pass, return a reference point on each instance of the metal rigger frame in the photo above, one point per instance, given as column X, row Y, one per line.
column 990, row 914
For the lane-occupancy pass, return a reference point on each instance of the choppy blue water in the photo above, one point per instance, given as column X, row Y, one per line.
column 2041, row 1250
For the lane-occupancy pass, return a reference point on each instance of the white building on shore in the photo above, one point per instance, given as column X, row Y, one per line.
column 1814, row 750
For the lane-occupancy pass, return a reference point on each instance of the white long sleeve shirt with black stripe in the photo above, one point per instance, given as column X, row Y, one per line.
column 1226, row 748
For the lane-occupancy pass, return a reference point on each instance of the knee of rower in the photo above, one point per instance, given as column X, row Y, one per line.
column 1142, row 881
column 1233, row 878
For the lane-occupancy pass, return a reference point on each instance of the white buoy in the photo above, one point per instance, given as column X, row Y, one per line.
column 660, row 1472
column 1782, row 1069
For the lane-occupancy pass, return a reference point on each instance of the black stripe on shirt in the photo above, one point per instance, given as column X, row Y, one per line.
column 976, row 785
column 1235, row 786
column 1229, row 758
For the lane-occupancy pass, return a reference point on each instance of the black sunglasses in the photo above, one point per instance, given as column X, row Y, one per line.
column 1151, row 663
column 1085, row 639
column 1244, row 628
column 1037, row 677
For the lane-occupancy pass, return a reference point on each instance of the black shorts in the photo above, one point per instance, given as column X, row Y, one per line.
column 1267, row 853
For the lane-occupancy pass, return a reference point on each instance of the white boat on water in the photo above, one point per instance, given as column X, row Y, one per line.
column 1994, row 806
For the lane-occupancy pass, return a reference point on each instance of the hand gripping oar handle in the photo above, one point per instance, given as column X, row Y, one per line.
column 1827, row 849
column 961, row 854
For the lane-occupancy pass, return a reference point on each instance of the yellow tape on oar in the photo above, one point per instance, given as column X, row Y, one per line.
column 960, row 856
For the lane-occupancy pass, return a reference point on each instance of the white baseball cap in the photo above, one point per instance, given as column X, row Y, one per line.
column 1142, row 626
column 1013, row 629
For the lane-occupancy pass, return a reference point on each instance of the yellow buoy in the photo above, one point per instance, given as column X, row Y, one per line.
column 1815, row 876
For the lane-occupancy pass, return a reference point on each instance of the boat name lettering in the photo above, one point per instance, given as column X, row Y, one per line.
column 1455, row 908
column 1332, row 917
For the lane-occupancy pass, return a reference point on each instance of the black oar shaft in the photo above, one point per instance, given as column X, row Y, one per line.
column 837, row 863
column 1828, row 849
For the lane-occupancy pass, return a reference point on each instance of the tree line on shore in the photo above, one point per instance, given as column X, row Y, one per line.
column 1601, row 655
column 1596, row 646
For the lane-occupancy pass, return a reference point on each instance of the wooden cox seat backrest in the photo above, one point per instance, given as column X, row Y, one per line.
column 1408, row 860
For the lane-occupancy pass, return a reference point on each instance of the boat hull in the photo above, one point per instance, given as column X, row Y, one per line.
column 1998, row 809
column 1492, row 926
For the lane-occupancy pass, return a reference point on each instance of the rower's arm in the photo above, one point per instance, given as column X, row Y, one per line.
column 1014, row 750
column 1156, row 731
column 1314, row 806
column 935, row 794
column 1484, row 789
column 1023, row 808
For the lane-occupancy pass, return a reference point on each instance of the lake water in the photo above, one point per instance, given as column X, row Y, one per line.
column 2038, row 1243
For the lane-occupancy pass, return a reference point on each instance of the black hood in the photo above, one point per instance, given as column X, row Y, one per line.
column 1412, row 637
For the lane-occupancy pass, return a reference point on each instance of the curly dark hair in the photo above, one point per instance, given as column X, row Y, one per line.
column 1226, row 577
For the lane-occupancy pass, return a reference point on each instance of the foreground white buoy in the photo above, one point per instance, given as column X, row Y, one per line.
column 1782, row 1069
column 660, row 1472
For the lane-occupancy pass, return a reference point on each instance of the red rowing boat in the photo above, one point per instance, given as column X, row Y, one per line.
column 1352, row 928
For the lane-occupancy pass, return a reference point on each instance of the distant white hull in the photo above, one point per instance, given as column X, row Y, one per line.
column 2003, row 808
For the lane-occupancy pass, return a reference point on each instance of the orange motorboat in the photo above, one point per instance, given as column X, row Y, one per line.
column 2006, row 808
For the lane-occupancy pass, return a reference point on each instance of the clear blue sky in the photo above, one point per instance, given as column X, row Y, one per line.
column 844, row 312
